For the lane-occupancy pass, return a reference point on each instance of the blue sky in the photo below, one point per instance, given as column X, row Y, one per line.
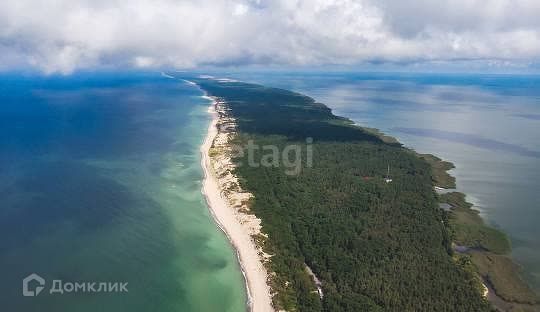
column 447, row 35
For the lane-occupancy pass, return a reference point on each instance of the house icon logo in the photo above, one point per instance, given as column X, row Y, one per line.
column 35, row 282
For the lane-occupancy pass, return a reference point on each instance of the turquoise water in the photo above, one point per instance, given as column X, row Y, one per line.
column 487, row 125
column 101, row 182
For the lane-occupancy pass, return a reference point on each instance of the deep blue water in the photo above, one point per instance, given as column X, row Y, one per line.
column 100, row 181
column 487, row 125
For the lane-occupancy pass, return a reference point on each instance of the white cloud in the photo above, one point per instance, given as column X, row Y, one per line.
column 72, row 34
column 240, row 9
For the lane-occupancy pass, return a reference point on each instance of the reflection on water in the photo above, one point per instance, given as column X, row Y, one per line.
column 468, row 139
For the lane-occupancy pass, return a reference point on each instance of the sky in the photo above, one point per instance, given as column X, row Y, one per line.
column 62, row 36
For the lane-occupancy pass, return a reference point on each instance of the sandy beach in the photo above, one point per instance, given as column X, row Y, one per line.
column 237, row 226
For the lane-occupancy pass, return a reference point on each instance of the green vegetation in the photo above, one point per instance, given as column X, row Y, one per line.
column 465, row 262
column 375, row 246
column 489, row 249
column 440, row 168
column 468, row 228
column 385, row 138
column 503, row 275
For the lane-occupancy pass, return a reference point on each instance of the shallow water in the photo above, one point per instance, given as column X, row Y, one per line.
column 100, row 181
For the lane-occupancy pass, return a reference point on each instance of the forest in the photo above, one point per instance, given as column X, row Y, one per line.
column 375, row 245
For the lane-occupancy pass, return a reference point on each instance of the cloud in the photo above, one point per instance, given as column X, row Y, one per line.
column 66, row 35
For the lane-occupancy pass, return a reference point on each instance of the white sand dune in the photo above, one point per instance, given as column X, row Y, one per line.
column 238, row 231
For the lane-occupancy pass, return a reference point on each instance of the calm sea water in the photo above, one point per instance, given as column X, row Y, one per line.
column 100, row 181
column 488, row 126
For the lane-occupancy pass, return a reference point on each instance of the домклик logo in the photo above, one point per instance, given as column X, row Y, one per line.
column 30, row 279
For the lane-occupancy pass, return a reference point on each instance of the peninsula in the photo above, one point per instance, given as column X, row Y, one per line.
column 337, row 234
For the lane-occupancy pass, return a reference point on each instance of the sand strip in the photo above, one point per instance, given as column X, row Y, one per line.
column 239, row 235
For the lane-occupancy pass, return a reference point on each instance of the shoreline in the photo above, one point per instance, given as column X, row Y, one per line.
column 489, row 249
column 444, row 185
column 253, row 270
column 473, row 287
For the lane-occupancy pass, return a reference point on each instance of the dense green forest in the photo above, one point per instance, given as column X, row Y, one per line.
column 375, row 246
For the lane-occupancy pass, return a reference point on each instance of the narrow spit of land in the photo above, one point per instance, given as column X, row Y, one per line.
column 374, row 246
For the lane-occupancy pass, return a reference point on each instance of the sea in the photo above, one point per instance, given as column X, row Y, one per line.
column 487, row 125
column 100, row 177
column 100, row 197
